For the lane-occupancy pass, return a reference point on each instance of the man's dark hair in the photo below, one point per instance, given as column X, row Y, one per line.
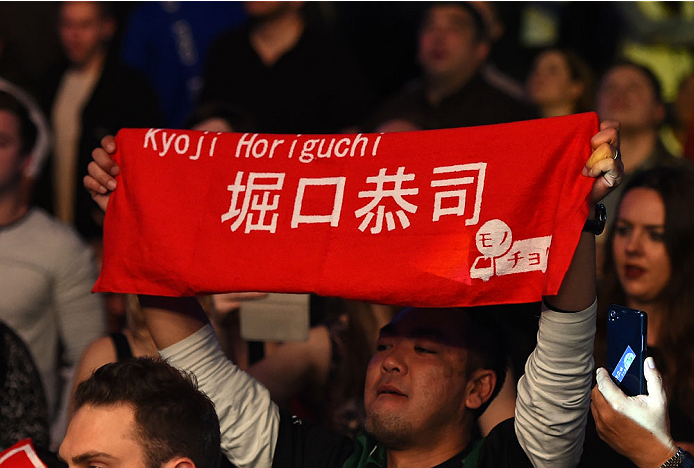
column 173, row 417
column 486, row 345
column 485, row 342
column 27, row 129
column 645, row 71
column 481, row 33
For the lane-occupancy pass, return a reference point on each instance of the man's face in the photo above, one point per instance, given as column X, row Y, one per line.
column 415, row 383
column 12, row 162
column 448, row 44
column 627, row 95
column 83, row 31
column 104, row 437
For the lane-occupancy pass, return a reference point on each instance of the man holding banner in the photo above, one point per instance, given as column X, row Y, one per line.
column 433, row 371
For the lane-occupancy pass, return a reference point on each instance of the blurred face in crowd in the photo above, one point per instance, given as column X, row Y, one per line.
column 103, row 436
column 84, row 31
column 270, row 9
column 550, row 81
column 640, row 254
column 448, row 43
column 416, row 383
column 627, row 95
column 12, row 161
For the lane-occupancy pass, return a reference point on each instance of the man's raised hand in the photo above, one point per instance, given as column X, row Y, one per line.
column 101, row 182
column 605, row 163
column 637, row 427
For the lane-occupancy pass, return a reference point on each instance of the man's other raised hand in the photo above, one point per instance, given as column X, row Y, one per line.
column 101, row 182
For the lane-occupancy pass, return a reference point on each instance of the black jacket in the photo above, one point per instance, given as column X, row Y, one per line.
column 122, row 97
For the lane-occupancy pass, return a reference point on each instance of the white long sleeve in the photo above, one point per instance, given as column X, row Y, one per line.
column 554, row 394
column 249, row 420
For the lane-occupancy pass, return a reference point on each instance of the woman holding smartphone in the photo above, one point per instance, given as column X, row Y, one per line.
column 650, row 267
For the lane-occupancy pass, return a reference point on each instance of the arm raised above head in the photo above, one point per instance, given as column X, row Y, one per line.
column 554, row 394
column 577, row 291
column 249, row 420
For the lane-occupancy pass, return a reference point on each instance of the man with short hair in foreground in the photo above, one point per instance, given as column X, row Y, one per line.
column 425, row 385
column 141, row 413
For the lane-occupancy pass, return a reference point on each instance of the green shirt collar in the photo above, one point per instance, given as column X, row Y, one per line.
column 369, row 454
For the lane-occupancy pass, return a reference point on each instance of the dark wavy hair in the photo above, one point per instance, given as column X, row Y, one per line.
column 173, row 417
column 675, row 185
column 486, row 345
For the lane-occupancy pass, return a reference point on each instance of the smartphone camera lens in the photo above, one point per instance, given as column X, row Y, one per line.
column 613, row 315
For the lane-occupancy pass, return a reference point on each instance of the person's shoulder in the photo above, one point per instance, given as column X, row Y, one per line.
column 123, row 75
column 46, row 86
column 231, row 38
column 662, row 157
column 227, row 51
column 56, row 70
column 304, row 444
column 37, row 219
column 501, row 448
column 412, row 88
column 407, row 103
column 509, row 107
column 327, row 52
column 504, row 431
column 9, row 338
column 323, row 38
column 125, row 97
column 51, row 235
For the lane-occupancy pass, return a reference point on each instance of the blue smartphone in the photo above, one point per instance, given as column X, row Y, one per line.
column 627, row 348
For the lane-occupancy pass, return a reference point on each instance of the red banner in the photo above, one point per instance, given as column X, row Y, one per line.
column 21, row 455
column 463, row 217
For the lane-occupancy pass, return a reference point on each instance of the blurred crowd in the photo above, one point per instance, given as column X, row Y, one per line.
column 73, row 72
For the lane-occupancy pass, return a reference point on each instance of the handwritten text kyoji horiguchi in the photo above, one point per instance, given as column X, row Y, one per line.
column 390, row 194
